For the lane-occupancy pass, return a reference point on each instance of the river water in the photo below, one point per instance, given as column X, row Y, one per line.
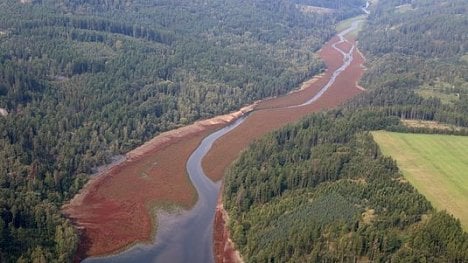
column 187, row 236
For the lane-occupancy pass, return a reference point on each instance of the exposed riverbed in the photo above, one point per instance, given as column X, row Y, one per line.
column 187, row 236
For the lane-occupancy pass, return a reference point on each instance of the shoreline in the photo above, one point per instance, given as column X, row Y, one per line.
column 223, row 247
column 107, row 190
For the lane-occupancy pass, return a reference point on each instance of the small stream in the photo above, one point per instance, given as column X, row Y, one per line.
column 347, row 59
column 187, row 236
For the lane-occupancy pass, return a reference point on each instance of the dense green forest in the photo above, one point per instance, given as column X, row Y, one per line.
column 85, row 80
column 321, row 191
column 418, row 56
column 348, row 7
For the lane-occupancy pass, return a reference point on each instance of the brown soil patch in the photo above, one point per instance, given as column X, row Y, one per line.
column 368, row 216
column 430, row 125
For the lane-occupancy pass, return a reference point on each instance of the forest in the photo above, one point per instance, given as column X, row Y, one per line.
column 417, row 52
column 84, row 81
column 321, row 190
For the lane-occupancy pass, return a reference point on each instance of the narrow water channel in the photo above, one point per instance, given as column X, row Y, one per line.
column 188, row 236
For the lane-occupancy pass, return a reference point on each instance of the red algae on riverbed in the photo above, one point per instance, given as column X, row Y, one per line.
column 227, row 148
column 273, row 115
column 224, row 249
column 116, row 208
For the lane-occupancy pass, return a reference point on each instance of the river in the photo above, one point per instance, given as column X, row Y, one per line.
column 187, row 236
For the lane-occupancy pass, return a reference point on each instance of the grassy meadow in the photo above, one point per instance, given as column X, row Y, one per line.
column 348, row 22
column 437, row 165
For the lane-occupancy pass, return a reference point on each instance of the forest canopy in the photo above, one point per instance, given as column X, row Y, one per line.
column 321, row 191
column 86, row 80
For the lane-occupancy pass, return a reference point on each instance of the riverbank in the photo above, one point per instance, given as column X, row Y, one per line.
column 274, row 113
column 260, row 122
column 224, row 248
column 154, row 174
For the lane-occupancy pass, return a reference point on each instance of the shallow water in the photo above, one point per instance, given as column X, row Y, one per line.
column 187, row 236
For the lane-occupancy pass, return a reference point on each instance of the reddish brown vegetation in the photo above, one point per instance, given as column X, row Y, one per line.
column 224, row 250
column 271, row 117
column 114, row 210
column 227, row 148
column 345, row 46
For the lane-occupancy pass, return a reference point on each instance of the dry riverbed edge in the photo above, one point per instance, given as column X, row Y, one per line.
column 116, row 197
column 154, row 173
column 228, row 147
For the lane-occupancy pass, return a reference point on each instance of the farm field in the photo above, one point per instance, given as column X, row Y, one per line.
column 437, row 165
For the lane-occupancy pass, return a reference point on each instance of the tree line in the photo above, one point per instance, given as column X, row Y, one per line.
column 85, row 80
column 321, row 191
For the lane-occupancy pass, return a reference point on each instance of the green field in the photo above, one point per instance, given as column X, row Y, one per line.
column 347, row 23
column 437, row 165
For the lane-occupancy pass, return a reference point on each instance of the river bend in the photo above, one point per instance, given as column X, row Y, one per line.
column 187, row 236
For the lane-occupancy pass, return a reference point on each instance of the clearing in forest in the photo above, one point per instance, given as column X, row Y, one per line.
column 437, row 165
column 348, row 22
